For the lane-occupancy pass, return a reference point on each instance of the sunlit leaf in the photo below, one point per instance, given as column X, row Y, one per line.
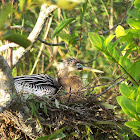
column 88, row 129
column 62, row 25
column 68, row 4
column 137, row 132
column 125, row 90
column 133, row 124
column 108, row 40
column 22, row 4
column 134, row 95
column 128, row 106
column 137, row 3
column 134, row 23
column 95, row 40
column 138, row 104
column 119, row 31
column 127, row 38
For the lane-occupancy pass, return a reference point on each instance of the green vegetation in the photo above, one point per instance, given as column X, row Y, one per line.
column 103, row 34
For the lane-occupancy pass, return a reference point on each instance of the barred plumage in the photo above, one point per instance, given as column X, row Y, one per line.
column 37, row 84
column 41, row 84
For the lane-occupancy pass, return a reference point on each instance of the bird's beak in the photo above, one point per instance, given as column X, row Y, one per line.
column 91, row 69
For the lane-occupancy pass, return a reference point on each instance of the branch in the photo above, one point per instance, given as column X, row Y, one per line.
column 7, row 46
column 39, row 39
column 122, row 22
column 7, row 90
column 4, row 47
column 109, row 88
column 63, row 43
column 44, row 14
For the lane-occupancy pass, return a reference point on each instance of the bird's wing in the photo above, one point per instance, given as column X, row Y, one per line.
column 38, row 84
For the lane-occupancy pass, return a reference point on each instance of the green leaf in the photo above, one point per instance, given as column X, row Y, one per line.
column 138, row 100
column 104, row 122
column 112, row 53
column 123, row 47
column 110, row 58
column 137, row 132
column 134, row 13
column 137, row 3
column 128, row 38
column 67, row 4
column 133, row 124
column 125, row 90
column 22, row 5
column 55, row 135
column 4, row 13
column 17, row 38
column 138, row 104
column 64, row 37
column 56, row 103
column 109, row 49
column 135, row 33
column 134, row 23
column 95, row 40
column 119, row 31
column 126, row 55
column 134, row 70
column 116, row 55
column 115, row 43
column 126, row 64
column 107, row 106
column 128, row 106
column 108, row 40
column 62, row 25
column 88, row 129
column 134, row 95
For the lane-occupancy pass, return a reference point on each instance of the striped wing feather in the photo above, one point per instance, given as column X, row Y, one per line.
column 38, row 84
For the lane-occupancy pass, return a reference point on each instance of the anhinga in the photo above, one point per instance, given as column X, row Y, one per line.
column 42, row 84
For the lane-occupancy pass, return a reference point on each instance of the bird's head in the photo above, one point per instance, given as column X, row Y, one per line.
column 71, row 64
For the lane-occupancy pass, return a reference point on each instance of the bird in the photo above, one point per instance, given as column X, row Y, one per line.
column 42, row 84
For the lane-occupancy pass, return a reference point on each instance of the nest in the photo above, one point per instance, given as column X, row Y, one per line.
column 42, row 117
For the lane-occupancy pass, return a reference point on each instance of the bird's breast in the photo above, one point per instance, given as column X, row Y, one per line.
column 72, row 84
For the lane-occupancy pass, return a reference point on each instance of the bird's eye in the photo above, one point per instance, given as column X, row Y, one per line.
column 79, row 65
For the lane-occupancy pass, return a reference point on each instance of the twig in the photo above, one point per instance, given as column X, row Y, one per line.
column 7, row 46
column 42, row 41
column 122, row 22
column 42, row 45
column 109, row 88
column 63, row 43
column 44, row 14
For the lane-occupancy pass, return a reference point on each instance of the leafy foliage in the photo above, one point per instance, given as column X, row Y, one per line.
column 130, row 101
column 75, row 28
